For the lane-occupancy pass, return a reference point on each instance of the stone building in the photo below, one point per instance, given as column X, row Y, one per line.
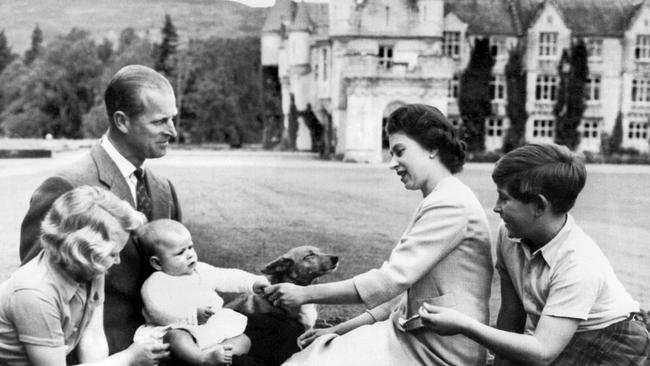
column 352, row 62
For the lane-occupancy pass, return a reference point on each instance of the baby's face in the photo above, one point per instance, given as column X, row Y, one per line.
column 177, row 256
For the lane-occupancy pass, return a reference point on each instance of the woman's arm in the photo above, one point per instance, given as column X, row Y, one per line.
column 549, row 340
column 135, row 355
column 310, row 335
column 290, row 295
column 93, row 345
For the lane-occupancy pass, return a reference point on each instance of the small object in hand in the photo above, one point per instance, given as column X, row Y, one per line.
column 411, row 323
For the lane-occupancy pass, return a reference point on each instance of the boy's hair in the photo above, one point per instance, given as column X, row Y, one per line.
column 547, row 169
column 79, row 229
column 155, row 234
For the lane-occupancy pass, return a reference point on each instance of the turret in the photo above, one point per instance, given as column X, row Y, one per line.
column 272, row 32
column 299, row 55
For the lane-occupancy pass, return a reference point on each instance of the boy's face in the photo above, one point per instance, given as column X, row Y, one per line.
column 519, row 217
column 177, row 256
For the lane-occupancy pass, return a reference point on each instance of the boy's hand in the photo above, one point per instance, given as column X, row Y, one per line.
column 444, row 321
column 203, row 314
column 260, row 285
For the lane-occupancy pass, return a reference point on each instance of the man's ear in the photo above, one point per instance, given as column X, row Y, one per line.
column 542, row 205
column 121, row 121
column 155, row 263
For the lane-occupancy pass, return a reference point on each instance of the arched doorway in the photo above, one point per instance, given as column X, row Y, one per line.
column 390, row 108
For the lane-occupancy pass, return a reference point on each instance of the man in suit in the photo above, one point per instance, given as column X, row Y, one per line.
column 140, row 104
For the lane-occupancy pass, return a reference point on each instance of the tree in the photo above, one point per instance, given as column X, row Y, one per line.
column 474, row 100
column 105, row 51
column 516, row 107
column 272, row 107
column 37, row 46
column 167, row 48
column 570, row 106
column 611, row 144
column 6, row 56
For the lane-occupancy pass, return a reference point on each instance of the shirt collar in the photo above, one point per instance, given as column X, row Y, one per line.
column 551, row 251
column 125, row 166
column 66, row 284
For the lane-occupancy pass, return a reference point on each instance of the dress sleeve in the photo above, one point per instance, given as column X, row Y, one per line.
column 437, row 229
column 227, row 279
column 163, row 305
column 37, row 318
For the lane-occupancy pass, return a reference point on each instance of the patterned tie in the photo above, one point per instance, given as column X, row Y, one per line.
column 143, row 200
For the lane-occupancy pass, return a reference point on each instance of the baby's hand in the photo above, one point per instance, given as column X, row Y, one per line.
column 260, row 285
column 203, row 314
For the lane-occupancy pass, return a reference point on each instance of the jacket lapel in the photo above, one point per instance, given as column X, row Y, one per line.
column 110, row 175
column 160, row 197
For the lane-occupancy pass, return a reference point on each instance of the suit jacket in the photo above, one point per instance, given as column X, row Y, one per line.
column 123, row 305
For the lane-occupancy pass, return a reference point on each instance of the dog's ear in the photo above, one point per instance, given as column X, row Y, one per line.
column 280, row 265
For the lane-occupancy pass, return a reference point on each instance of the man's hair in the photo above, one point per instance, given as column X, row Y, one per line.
column 547, row 169
column 79, row 229
column 157, row 233
column 123, row 91
column 429, row 127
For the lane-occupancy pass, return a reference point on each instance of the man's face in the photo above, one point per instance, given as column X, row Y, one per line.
column 149, row 133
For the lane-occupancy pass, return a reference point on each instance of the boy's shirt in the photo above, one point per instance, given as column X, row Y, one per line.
column 568, row 277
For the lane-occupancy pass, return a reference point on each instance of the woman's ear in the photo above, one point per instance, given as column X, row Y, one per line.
column 155, row 263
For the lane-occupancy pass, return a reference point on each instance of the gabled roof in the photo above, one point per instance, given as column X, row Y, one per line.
column 302, row 21
column 586, row 17
column 484, row 16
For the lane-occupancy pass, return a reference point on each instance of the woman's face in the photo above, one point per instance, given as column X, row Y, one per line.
column 411, row 162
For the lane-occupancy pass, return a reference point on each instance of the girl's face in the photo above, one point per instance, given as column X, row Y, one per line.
column 411, row 162
column 119, row 239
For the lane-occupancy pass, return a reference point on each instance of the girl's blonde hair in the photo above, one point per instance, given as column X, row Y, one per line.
column 80, row 229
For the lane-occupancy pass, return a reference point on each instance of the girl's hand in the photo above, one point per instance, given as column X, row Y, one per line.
column 444, row 321
column 310, row 335
column 260, row 285
column 285, row 295
column 147, row 354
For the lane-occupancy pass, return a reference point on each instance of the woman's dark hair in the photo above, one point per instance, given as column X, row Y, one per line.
column 429, row 127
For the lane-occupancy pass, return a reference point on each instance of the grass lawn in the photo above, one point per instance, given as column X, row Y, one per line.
column 246, row 208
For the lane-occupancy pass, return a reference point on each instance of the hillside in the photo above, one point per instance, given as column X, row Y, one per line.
column 107, row 18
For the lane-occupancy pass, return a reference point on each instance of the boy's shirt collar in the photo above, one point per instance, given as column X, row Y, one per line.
column 549, row 252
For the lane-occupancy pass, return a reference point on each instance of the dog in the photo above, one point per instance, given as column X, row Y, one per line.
column 301, row 266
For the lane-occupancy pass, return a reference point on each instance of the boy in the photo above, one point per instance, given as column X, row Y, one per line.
column 181, row 296
column 561, row 302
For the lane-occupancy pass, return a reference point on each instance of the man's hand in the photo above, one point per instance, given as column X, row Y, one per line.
column 285, row 295
column 203, row 314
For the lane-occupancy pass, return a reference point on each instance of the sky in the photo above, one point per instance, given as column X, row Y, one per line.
column 265, row 3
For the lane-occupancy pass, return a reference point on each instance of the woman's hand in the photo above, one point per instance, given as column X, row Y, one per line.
column 310, row 335
column 147, row 354
column 444, row 321
column 285, row 295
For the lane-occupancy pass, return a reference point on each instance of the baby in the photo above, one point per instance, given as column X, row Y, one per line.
column 180, row 298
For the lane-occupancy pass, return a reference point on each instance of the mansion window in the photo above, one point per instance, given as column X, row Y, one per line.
column 385, row 57
column 641, row 90
column 498, row 47
column 494, row 126
column 498, row 87
column 595, row 48
column 543, row 128
column 548, row 44
column 642, row 50
column 592, row 88
column 637, row 131
column 453, row 87
column 546, row 88
column 590, row 130
column 324, row 56
column 451, row 43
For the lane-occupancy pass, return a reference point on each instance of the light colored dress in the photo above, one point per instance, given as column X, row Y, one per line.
column 443, row 258
column 173, row 301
